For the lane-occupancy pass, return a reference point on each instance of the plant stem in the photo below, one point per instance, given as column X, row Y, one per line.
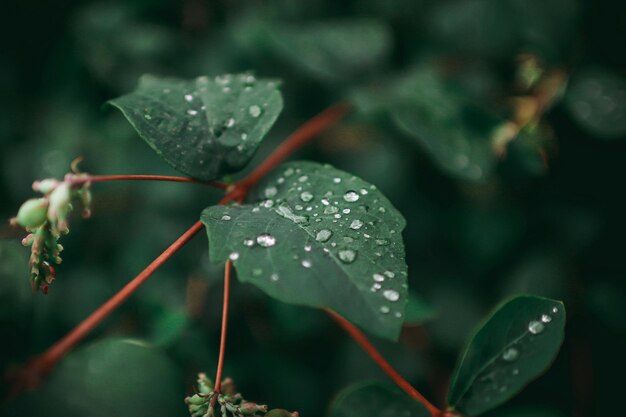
column 107, row 178
column 367, row 346
column 220, row 360
column 296, row 140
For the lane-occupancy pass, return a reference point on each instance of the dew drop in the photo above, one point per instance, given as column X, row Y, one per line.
column 270, row 191
column 248, row 242
column 363, row 191
column 351, row 196
column 147, row 116
column 306, row 196
column 545, row 318
column 323, row 235
column 382, row 242
column 306, row 263
column 274, row 277
column 307, row 248
column 555, row 310
column 389, row 274
column 384, row 309
column 257, row 272
column 535, row 327
column 192, row 112
column 266, row 240
column 356, row 224
column 188, row 98
column 226, row 217
column 391, row 295
column 336, row 180
column 378, row 277
column 330, row 210
column 347, row 256
column 286, row 212
column 510, row 354
column 254, row 110
column 233, row 256
column 230, row 122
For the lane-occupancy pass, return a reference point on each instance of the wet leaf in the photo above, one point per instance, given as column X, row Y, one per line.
column 204, row 127
column 375, row 399
column 319, row 237
column 516, row 344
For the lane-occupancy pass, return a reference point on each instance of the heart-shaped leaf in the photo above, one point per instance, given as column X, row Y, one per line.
column 515, row 345
column 205, row 127
column 319, row 237
column 375, row 399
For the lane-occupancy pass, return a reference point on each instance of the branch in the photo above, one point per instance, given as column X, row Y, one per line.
column 106, row 178
column 220, row 361
column 367, row 346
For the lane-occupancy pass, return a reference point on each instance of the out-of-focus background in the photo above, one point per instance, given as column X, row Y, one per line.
column 540, row 212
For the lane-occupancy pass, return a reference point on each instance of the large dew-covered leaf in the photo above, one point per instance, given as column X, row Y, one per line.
column 205, row 127
column 319, row 237
column 333, row 49
column 377, row 400
column 515, row 345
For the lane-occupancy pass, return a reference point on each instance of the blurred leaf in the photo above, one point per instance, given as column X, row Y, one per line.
column 417, row 311
column 516, row 343
column 318, row 224
column 332, row 50
column 205, row 127
column 375, row 399
column 115, row 377
column 596, row 99
column 440, row 117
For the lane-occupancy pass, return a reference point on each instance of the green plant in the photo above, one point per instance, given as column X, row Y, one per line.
column 309, row 234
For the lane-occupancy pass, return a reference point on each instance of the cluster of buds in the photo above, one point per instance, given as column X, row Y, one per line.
column 228, row 402
column 46, row 219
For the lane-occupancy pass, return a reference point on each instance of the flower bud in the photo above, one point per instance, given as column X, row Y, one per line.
column 45, row 186
column 248, row 409
column 32, row 213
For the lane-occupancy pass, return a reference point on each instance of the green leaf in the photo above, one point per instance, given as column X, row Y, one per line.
column 115, row 377
column 333, row 49
column 319, row 237
column 204, row 127
column 516, row 344
column 595, row 99
column 375, row 399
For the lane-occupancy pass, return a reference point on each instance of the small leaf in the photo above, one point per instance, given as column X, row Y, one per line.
column 516, row 344
column 595, row 99
column 333, row 49
column 375, row 399
column 205, row 127
column 319, row 237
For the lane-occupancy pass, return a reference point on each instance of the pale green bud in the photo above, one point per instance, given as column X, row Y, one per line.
column 45, row 186
column 60, row 205
column 32, row 213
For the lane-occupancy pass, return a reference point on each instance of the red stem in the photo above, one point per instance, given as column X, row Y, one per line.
column 296, row 140
column 367, row 346
column 220, row 361
column 105, row 178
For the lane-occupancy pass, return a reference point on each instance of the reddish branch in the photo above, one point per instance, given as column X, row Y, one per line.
column 220, row 360
column 30, row 376
column 107, row 178
column 367, row 346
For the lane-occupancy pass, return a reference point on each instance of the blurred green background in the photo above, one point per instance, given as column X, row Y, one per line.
column 544, row 218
